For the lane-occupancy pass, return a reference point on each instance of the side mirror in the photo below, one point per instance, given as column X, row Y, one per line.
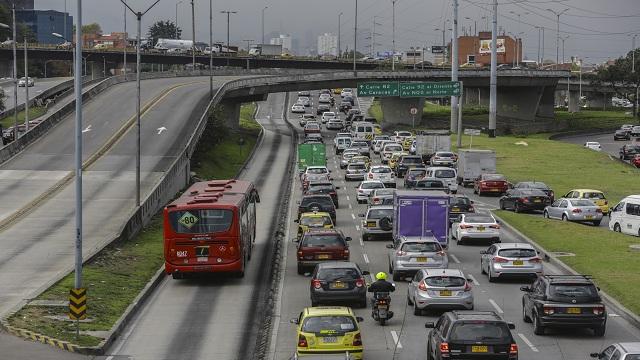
column 294, row 321
column 389, row 246
column 361, row 215
column 296, row 221
column 348, row 238
column 428, row 325
column 472, row 202
column 483, row 252
column 594, row 355
column 525, row 288
column 365, row 272
column 337, row 187
column 511, row 325
column 359, row 318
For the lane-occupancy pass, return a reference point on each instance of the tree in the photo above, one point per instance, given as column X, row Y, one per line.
column 93, row 28
column 619, row 78
column 164, row 30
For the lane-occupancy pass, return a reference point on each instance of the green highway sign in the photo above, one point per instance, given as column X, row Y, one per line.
column 378, row 89
column 430, row 89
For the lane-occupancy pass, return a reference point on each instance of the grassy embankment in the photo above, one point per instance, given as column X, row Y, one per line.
column 34, row 112
column 116, row 276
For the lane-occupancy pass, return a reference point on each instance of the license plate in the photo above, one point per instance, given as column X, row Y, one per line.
column 455, row 210
column 479, row 348
column 537, row 200
column 495, row 190
column 338, row 285
column 371, row 224
column 322, row 256
column 421, row 259
column 588, row 217
column 330, row 339
column 383, row 307
column 518, row 262
column 445, row 292
column 574, row 311
column 480, row 228
column 202, row 259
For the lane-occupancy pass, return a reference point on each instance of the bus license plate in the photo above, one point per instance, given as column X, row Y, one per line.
column 445, row 292
column 330, row 339
column 518, row 262
column 479, row 348
column 572, row 310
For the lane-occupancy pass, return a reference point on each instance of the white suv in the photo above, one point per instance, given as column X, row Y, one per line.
column 446, row 174
column 382, row 173
column 388, row 150
column 326, row 116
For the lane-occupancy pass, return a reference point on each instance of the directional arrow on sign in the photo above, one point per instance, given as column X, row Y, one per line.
column 87, row 129
column 161, row 129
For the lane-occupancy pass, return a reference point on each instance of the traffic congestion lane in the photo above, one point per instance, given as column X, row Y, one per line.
column 210, row 317
column 502, row 297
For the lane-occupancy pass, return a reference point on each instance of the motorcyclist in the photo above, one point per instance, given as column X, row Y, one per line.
column 381, row 284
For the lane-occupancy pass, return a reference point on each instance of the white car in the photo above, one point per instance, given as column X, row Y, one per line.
column 627, row 127
column 382, row 173
column 24, row 81
column 378, row 145
column 446, row 174
column 399, row 136
column 365, row 188
column 593, row 145
column 324, row 99
column 346, row 92
column 476, row 227
column 326, row 116
column 344, row 134
column 635, row 131
column 388, row 150
column 304, row 101
column 307, row 118
column 335, row 124
column 298, row 109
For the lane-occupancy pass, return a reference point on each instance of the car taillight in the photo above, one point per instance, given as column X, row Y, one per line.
column 357, row 340
column 547, row 310
column 360, row 282
column 422, row 286
column 606, row 202
column 598, row 310
column 576, row 211
column 551, row 194
column 513, row 349
column 401, row 253
column 598, row 210
column 370, row 176
column 467, row 286
column 466, row 226
column 444, row 348
column 316, row 284
column 345, row 252
column 535, row 260
column 471, row 209
column 375, row 199
column 360, row 190
column 302, row 341
column 523, row 200
column 499, row 259
column 495, row 226
column 300, row 254
column 441, row 253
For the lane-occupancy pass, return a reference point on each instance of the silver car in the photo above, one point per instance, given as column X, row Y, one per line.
column 443, row 158
column 510, row 260
column 378, row 222
column 582, row 210
column 381, row 197
column 365, row 188
column 408, row 254
column 619, row 351
column 475, row 227
column 347, row 154
column 445, row 289
column 355, row 171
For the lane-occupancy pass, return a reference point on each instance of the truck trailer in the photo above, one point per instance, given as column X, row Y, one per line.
column 473, row 163
column 421, row 213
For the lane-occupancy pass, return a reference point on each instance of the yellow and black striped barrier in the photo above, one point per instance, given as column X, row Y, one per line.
column 78, row 304
column 27, row 334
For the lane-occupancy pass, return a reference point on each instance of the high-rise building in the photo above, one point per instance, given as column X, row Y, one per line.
column 45, row 22
column 284, row 40
column 327, row 44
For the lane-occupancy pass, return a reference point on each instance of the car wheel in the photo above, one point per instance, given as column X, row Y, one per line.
column 482, row 271
column 525, row 317
column 491, row 278
column 537, row 328
column 516, row 208
column 545, row 214
column 617, row 228
column 416, row 310
column 599, row 331
column 300, row 269
column 365, row 237
column 597, row 223
column 409, row 298
column 474, row 190
column 564, row 217
column 397, row 276
column 501, row 205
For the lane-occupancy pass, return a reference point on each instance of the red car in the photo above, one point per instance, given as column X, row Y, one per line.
column 312, row 128
column 490, row 183
column 636, row 161
column 319, row 245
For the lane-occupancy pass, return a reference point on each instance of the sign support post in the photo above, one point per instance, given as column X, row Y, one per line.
column 459, row 128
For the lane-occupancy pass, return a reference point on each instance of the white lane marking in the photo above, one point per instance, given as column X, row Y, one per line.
column 396, row 340
column 614, row 315
column 350, row 207
column 357, row 227
column 361, row 242
column 87, row 129
column 498, row 309
column 161, row 129
column 529, row 343
column 348, row 198
column 366, row 258
column 454, row 258
column 353, row 216
column 475, row 282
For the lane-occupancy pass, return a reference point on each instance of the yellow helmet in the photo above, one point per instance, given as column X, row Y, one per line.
column 381, row 276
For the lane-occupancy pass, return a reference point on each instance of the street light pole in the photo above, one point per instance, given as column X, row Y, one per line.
column 15, row 77
column 563, row 39
column 78, row 145
column 263, row 9
column 339, row 48
column 393, row 32
column 178, row 3
column 126, row 43
column 633, row 67
column 454, row 67
column 210, row 49
column 493, row 82
column 557, row 14
column 355, row 40
column 228, row 12
column 26, row 87
column 193, row 35
column 139, row 19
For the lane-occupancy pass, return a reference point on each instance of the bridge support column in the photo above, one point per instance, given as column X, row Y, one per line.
column 229, row 109
column 6, row 68
column 599, row 100
column 473, row 96
column 396, row 110
column 574, row 101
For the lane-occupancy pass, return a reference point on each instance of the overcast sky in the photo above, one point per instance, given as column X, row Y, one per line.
column 597, row 29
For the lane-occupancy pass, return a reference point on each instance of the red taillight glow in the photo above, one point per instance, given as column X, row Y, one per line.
column 535, row 260
column 300, row 254
column 357, row 340
column 577, row 211
column 513, row 349
column 496, row 226
column 316, row 284
column 466, row 226
column 375, row 199
column 598, row 210
column 444, row 348
column 549, row 310
column 499, row 259
column 598, row 310
column 467, row 286
column 302, row 341
column 401, row 253
column 422, row 286
column 370, row 176
column 360, row 282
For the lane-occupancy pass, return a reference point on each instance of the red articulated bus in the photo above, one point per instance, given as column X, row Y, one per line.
column 210, row 228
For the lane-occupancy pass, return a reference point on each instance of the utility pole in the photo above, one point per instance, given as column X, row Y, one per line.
column 557, row 14
column 26, row 87
column 228, row 12
column 139, row 19
column 542, row 48
column 373, row 36
column 493, row 82
column 563, row 38
column 339, row 48
column 633, row 68
column 178, row 3
column 193, row 34
column 210, row 49
column 265, row 8
column 126, row 41
column 355, row 40
column 393, row 32
column 15, row 77
column 78, row 145
column 454, row 66
column 539, row 62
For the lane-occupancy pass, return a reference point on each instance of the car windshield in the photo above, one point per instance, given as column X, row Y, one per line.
column 480, row 331
column 372, row 185
column 375, row 214
column 430, row 184
column 421, row 247
column 342, row 274
column 203, row 221
column 317, row 240
column 445, row 281
column 460, row 201
column 357, row 167
column 517, row 253
column 331, row 324
column 573, row 290
column 322, row 200
column 317, row 171
column 445, row 173
column 380, row 170
column 315, row 221
column 478, row 219
column 593, row 195
column 493, row 177
column 582, row 203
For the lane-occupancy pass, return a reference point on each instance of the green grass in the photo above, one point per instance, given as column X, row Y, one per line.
column 560, row 165
column 593, row 119
column 118, row 274
column 598, row 252
column 376, row 111
column 34, row 112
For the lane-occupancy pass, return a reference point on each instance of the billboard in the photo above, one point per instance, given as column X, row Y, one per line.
column 485, row 46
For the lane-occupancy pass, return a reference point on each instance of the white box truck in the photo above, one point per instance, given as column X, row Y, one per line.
column 432, row 141
column 265, row 50
column 473, row 163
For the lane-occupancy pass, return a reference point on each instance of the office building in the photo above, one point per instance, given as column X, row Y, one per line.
column 45, row 22
column 284, row 40
column 327, row 45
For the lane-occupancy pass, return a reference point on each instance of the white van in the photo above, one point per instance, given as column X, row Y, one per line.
column 446, row 174
column 625, row 217
column 363, row 131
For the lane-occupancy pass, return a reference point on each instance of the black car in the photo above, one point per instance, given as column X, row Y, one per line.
column 322, row 108
column 621, row 135
column 335, row 281
column 536, row 185
column 351, row 113
column 413, row 175
column 349, row 99
column 627, row 152
column 431, row 184
column 459, row 205
column 311, row 203
column 520, row 200
column 407, row 162
column 568, row 301
column 325, row 188
column 471, row 335
column 345, row 106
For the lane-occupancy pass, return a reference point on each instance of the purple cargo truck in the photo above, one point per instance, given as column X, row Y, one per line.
column 421, row 213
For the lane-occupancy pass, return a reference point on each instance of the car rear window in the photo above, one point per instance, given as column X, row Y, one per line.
column 460, row 201
column 582, row 203
column 593, row 195
column 445, row 173
column 357, row 166
column 532, row 192
column 317, row 240
column 379, row 213
column 380, row 170
column 312, row 127
column 421, row 247
column 317, row 171
column 341, row 274
column 478, row 219
column 203, row 221
column 430, row 184
column 315, row 221
column 493, row 177
column 573, row 290
column 480, row 331
column 417, row 172
column 372, row 185
column 393, row 147
column 517, row 253
column 322, row 200
column 412, row 160
column 329, row 324
column 445, row 281
column 444, row 154
column 381, row 192
column 359, row 144
column 327, row 187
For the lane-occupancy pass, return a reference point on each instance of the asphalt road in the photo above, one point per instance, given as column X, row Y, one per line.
column 39, row 86
column 609, row 145
column 38, row 246
column 404, row 336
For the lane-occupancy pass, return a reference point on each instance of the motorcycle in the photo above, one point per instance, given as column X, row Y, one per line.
column 380, row 308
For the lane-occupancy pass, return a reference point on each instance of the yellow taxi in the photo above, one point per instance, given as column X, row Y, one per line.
column 328, row 329
column 395, row 158
column 377, row 129
column 313, row 220
column 406, row 143
column 337, row 91
column 360, row 158
column 596, row 196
